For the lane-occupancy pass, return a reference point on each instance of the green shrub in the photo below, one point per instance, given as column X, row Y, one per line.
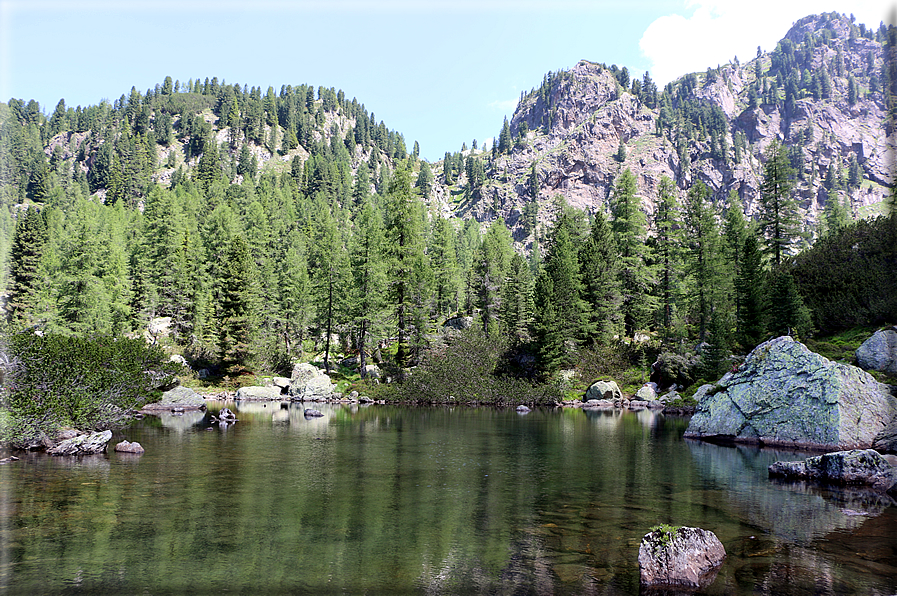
column 54, row 381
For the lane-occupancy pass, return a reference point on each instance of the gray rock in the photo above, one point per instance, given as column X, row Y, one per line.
column 312, row 413
column 179, row 359
column 647, row 393
column 604, row 390
column 281, row 382
column 258, row 393
column 886, row 440
column 600, row 403
column 127, row 447
column 225, row 415
column 786, row 395
column 459, row 323
column 680, row 558
column 522, row 409
column 857, row 466
column 179, row 397
column 83, row 444
column 879, row 352
column 656, row 405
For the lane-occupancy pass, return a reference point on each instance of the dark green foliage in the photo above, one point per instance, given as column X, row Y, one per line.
column 751, row 329
column 86, row 382
column 848, row 278
column 238, row 302
column 600, row 273
column 787, row 314
column 779, row 210
column 467, row 370
column 25, row 260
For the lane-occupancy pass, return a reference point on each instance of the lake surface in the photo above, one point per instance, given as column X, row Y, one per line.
column 388, row 500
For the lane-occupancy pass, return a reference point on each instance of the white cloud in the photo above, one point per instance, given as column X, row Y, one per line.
column 719, row 30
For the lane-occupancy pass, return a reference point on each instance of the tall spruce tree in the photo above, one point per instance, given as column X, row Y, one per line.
column 369, row 276
column 668, row 252
column 704, row 256
column 779, row 210
column 638, row 278
column 25, row 260
column 751, row 328
column 492, row 267
column 237, row 292
column 599, row 268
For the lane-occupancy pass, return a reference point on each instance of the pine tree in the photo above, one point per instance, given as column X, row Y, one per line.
column 446, row 270
column 735, row 230
column 237, row 293
column 751, row 328
column 492, row 267
column 779, row 210
column 787, row 313
column 704, row 256
column 560, row 311
column 25, row 260
column 599, row 268
column 637, row 277
column 668, row 250
column 369, row 275
column 295, row 291
column 517, row 300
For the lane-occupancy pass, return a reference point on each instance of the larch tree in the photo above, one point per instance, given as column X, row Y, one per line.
column 779, row 210
column 601, row 292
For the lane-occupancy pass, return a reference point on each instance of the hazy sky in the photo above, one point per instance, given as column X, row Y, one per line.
column 440, row 72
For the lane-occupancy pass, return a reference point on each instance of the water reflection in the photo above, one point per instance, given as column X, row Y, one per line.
column 422, row 500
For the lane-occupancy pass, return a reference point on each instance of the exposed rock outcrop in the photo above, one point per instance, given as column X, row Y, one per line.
column 857, row 466
column 309, row 383
column 89, row 444
column 679, row 558
column 784, row 394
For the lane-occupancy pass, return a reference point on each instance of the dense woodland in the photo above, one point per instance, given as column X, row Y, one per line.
column 278, row 226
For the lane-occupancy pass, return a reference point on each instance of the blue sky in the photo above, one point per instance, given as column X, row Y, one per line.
column 440, row 72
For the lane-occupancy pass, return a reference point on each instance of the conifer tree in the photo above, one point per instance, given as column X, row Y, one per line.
column 331, row 276
column 294, row 284
column 779, row 210
column 787, row 313
column 704, row 264
column 446, row 271
column 599, row 269
column 25, row 259
column 735, row 230
column 637, row 277
column 750, row 289
column 517, row 300
column 492, row 267
column 407, row 260
column 369, row 276
column 237, row 307
column 559, row 321
column 668, row 251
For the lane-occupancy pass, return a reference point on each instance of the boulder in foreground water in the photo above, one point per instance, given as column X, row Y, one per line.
column 129, row 447
column 786, row 395
column 90, row 444
column 680, row 558
column 864, row 467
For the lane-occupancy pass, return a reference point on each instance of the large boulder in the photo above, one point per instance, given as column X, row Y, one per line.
column 857, row 466
column 83, row 444
column 310, row 383
column 786, row 395
column 679, row 558
column 181, row 398
column 604, row 390
column 258, row 393
column 879, row 352
column 128, row 447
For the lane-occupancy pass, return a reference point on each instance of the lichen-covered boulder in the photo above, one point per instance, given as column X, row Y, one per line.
column 89, row 444
column 683, row 558
column 879, row 352
column 180, row 397
column 786, row 395
column 308, row 382
column 647, row 392
column 856, row 466
column 604, row 390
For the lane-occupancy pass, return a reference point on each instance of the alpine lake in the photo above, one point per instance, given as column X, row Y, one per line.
column 412, row 500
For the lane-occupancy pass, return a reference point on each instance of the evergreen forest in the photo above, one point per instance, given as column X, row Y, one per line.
column 271, row 227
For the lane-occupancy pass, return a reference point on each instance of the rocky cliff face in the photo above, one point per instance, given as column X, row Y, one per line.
column 819, row 93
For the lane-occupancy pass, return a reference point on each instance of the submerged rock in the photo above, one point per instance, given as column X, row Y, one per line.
column 857, row 466
column 786, row 395
column 683, row 558
column 83, row 444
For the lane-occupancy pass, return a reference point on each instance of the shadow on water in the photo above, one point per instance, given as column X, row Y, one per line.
column 389, row 500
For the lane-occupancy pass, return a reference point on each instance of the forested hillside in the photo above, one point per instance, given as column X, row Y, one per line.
column 282, row 225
